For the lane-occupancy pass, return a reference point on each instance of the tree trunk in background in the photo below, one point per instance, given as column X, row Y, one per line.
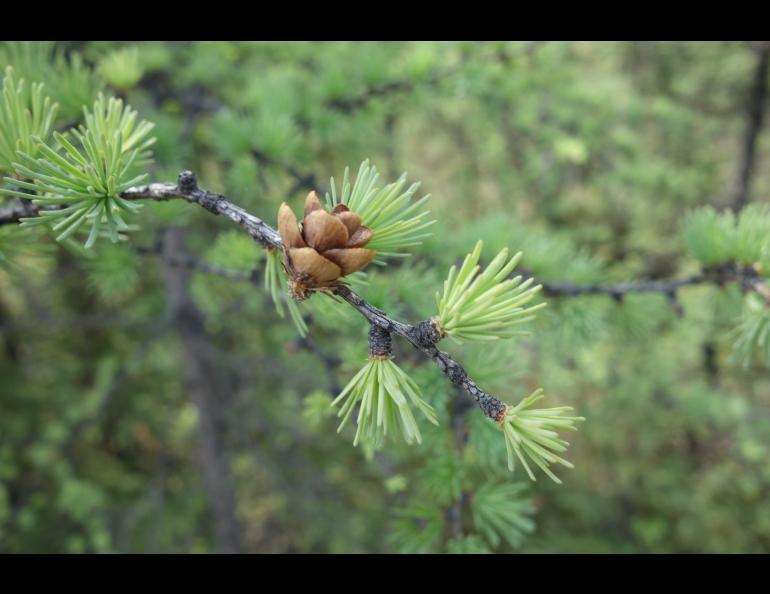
column 755, row 113
column 207, row 385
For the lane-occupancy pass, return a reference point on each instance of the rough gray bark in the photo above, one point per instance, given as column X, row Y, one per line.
column 207, row 385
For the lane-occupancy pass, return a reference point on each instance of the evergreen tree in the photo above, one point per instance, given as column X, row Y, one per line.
column 221, row 369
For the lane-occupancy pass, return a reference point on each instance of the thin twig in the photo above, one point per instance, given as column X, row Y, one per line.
column 747, row 277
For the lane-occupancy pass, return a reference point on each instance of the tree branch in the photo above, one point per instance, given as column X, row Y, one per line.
column 747, row 277
column 755, row 115
column 424, row 335
column 619, row 290
column 187, row 188
column 20, row 208
column 668, row 288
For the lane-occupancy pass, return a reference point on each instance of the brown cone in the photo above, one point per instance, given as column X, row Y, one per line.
column 312, row 203
column 308, row 261
column 288, row 229
column 328, row 246
column 350, row 259
column 360, row 237
column 323, row 231
column 351, row 220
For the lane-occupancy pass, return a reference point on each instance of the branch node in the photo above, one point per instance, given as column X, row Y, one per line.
column 187, row 183
column 380, row 342
column 428, row 333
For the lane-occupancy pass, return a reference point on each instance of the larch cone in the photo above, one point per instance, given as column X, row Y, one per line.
column 329, row 245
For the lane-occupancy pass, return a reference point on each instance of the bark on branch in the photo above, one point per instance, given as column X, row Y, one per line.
column 422, row 336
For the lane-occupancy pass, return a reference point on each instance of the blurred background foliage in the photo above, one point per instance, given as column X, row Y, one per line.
column 125, row 427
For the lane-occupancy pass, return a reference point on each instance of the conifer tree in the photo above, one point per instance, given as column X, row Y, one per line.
column 363, row 311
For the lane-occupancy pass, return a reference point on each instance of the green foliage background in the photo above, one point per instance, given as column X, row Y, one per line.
column 589, row 157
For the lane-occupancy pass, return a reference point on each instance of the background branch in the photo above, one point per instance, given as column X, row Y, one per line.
column 755, row 115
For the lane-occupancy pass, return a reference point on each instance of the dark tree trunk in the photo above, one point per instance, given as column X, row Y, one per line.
column 208, row 386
